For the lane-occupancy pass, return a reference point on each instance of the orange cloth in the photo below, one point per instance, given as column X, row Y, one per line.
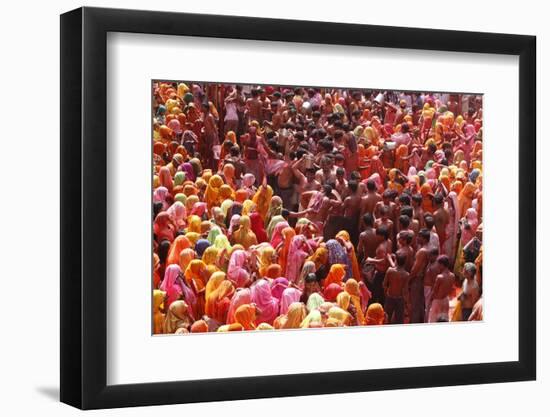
column 288, row 233
column 246, row 316
column 180, row 243
column 335, row 276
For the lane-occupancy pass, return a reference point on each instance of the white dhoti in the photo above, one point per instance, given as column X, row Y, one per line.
column 439, row 309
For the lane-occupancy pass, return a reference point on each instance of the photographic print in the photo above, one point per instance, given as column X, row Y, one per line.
column 279, row 207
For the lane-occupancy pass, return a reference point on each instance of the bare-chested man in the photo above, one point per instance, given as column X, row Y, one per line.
column 416, row 287
column 432, row 270
column 396, row 284
column 404, row 245
column 443, row 285
column 320, row 205
column 470, row 290
column 385, row 220
column 429, row 222
column 369, row 201
column 254, row 107
column 368, row 239
column 417, row 208
column 382, row 261
column 327, row 173
column 442, row 218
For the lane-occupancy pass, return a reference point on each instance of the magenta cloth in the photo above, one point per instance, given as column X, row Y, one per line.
column 236, row 271
column 189, row 172
column 170, row 284
column 199, row 208
column 290, row 295
column 266, row 303
column 296, row 257
column 257, row 226
column 277, row 236
column 159, row 196
column 278, row 286
column 243, row 296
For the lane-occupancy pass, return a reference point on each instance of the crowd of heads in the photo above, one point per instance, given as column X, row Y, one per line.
column 294, row 207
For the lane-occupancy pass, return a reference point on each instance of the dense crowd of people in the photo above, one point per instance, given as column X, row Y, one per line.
column 294, row 207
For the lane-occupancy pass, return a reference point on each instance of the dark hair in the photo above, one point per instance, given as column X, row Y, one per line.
column 163, row 249
column 424, row 234
column 368, row 219
column 340, row 171
column 285, row 213
column 407, row 211
column 311, row 277
column 353, row 186
column 327, row 189
column 371, row 185
column 404, row 221
column 434, row 251
column 405, row 199
column 383, row 231
column 234, row 151
column 444, row 260
column 429, row 220
column 438, row 198
column 417, row 198
column 157, row 208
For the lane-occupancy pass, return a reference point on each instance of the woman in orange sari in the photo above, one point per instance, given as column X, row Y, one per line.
column 180, row 243
column 262, row 199
column 465, row 198
column 245, row 315
column 335, row 276
column 288, row 233
column 212, row 191
column 244, row 235
column 196, row 277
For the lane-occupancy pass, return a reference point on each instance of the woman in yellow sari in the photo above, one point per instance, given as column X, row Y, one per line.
column 293, row 318
column 210, row 257
column 194, row 224
column 244, row 235
column 262, row 199
column 338, row 317
column 352, row 288
column 248, row 207
column 158, row 315
column 212, row 191
column 319, row 257
column 266, row 259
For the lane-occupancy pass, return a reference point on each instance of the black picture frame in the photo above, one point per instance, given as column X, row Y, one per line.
column 84, row 207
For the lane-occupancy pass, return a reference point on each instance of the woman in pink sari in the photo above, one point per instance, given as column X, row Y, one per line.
column 266, row 303
column 297, row 254
column 469, row 226
column 236, row 271
column 160, row 195
column 178, row 214
column 242, row 296
column 278, row 285
column 277, row 236
column 171, row 285
column 289, row 296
